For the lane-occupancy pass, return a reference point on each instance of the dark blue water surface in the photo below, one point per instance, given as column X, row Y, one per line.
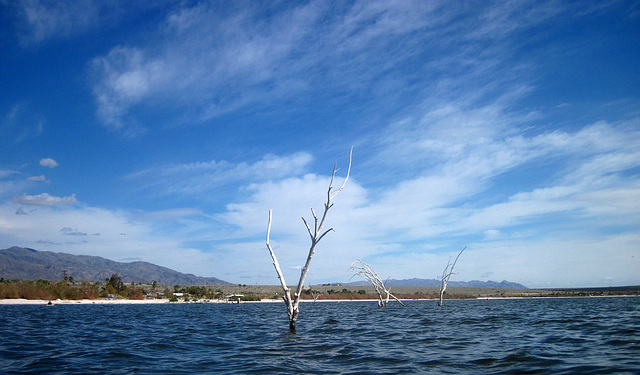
column 568, row 335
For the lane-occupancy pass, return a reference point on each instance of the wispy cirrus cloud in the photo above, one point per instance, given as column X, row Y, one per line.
column 216, row 58
column 202, row 59
column 43, row 20
column 203, row 178
column 459, row 162
column 39, row 21
column 20, row 123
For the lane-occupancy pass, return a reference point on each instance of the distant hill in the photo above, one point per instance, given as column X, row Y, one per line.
column 28, row 264
column 433, row 282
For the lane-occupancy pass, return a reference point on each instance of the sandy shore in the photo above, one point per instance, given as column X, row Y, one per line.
column 21, row 301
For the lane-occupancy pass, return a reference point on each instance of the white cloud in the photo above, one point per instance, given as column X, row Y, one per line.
column 48, row 162
column 408, row 230
column 44, row 199
column 288, row 198
column 455, row 199
column 38, row 178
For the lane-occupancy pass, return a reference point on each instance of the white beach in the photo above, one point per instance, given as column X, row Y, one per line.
column 21, row 301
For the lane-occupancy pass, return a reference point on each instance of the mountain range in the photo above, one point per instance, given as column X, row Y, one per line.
column 433, row 282
column 19, row 263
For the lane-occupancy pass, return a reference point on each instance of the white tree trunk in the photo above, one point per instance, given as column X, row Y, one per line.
column 446, row 275
column 316, row 234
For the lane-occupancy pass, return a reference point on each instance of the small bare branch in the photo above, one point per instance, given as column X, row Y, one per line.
column 323, row 234
column 345, row 179
column 308, row 228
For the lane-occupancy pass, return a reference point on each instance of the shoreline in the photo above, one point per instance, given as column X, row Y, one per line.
column 22, row 301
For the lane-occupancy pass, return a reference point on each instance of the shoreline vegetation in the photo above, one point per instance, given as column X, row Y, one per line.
column 69, row 292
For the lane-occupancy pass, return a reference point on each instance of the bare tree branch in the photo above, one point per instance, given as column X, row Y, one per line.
column 325, row 233
column 345, row 179
column 308, row 228
column 276, row 265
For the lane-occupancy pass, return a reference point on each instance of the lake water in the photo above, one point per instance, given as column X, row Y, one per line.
column 560, row 336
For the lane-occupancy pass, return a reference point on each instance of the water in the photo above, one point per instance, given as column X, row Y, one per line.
column 560, row 336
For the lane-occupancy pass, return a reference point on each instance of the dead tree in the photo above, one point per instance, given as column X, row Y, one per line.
column 364, row 270
column 316, row 235
column 446, row 275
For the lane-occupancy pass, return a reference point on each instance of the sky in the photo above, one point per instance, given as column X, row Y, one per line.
column 164, row 131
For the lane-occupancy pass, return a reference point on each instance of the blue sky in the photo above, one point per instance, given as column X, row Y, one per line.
column 164, row 131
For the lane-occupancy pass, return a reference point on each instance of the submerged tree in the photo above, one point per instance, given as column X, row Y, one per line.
column 364, row 270
column 446, row 275
column 316, row 235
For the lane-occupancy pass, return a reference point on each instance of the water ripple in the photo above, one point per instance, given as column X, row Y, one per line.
column 564, row 336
